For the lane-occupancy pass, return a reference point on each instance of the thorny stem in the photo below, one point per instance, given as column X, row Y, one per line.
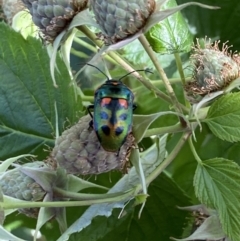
column 127, row 67
column 161, row 72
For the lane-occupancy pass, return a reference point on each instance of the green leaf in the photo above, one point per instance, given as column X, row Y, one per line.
column 135, row 53
column 232, row 152
column 2, row 213
column 170, row 35
column 215, row 24
column 136, row 162
column 149, row 160
column 142, row 122
column 223, row 117
column 184, row 165
column 82, row 18
column 75, row 184
column 6, row 235
column 8, row 162
column 210, row 229
column 22, row 22
column 158, row 218
column 217, row 185
column 45, row 214
column 27, row 96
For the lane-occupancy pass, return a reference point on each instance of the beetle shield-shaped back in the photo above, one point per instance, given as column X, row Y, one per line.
column 113, row 111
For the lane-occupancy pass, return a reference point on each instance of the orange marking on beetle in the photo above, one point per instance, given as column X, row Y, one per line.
column 123, row 103
column 105, row 101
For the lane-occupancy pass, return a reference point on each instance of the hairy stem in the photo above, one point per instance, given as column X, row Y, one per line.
column 163, row 130
column 161, row 72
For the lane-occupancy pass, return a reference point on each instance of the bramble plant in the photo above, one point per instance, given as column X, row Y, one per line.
column 168, row 169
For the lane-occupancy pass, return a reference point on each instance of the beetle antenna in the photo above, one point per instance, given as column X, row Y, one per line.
column 138, row 70
column 98, row 69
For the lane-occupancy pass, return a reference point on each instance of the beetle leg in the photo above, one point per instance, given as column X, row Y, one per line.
column 89, row 108
column 118, row 152
column 90, row 113
column 91, row 124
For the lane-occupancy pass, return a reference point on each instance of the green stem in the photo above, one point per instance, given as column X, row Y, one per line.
column 163, row 130
column 78, row 53
column 90, row 35
column 179, row 67
column 85, row 44
column 166, row 162
column 90, row 47
column 180, row 71
column 172, row 81
column 58, row 192
column 202, row 113
column 23, row 204
column 147, row 83
column 87, row 98
column 197, row 158
column 161, row 72
column 128, row 68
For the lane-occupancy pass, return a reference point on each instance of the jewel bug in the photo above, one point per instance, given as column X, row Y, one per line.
column 112, row 113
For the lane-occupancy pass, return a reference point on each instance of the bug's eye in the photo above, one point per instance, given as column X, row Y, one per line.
column 106, row 130
column 119, row 130
column 123, row 117
column 103, row 115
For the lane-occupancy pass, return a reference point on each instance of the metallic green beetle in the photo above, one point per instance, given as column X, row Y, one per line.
column 112, row 114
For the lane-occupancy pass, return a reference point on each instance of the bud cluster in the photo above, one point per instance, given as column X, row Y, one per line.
column 214, row 69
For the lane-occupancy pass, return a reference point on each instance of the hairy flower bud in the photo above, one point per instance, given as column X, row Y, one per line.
column 214, row 69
